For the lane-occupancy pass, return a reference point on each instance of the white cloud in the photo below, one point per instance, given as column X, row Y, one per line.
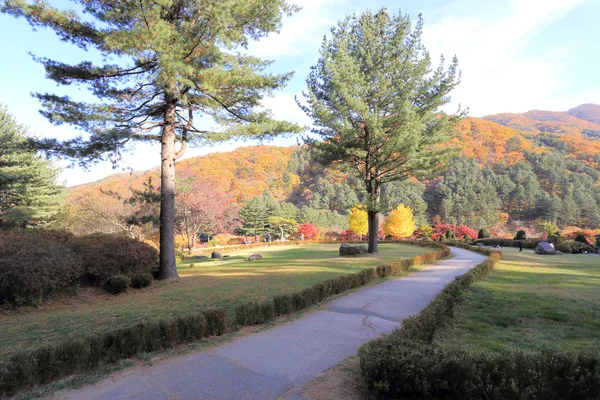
column 496, row 76
column 301, row 32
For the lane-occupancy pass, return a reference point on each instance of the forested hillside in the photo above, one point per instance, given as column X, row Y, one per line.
column 527, row 167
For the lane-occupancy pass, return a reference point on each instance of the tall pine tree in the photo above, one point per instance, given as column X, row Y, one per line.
column 29, row 192
column 374, row 100
column 176, row 60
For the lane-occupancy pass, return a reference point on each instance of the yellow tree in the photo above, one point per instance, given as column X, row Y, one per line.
column 400, row 222
column 358, row 220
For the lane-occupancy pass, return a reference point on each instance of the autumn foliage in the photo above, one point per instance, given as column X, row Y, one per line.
column 357, row 220
column 400, row 222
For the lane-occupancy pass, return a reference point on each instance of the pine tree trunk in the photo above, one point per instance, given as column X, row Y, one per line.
column 168, row 269
column 373, row 218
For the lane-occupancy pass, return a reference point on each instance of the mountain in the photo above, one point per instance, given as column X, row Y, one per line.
column 575, row 132
column 536, row 165
column 587, row 112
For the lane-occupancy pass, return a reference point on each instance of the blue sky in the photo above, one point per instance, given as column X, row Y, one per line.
column 515, row 56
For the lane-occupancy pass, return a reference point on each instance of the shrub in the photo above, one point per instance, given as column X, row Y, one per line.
column 117, row 284
column 141, row 280
column 104, row 256
column 521, row 235
column 309, row 231
column 483, row 234
column 450, row 234
column 235, row 241
column 581, row 239
column 33, row 268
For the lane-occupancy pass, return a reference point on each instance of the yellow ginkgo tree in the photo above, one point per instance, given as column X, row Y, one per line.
column 358, row 221
column 400, row 222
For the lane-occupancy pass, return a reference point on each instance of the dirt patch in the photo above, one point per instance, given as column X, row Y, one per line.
column 342, row 382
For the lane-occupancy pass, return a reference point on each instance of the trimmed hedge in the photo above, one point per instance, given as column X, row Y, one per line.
column 42, row 365
column 407, row 364
column 27, row 368
column 255, row 313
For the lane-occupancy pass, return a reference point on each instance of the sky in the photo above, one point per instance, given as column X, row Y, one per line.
column 514, row 55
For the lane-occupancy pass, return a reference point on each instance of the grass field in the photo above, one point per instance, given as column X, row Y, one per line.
column 209, row 283
column 531, row 302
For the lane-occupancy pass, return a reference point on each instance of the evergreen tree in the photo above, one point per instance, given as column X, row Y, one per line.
column 254, row 216
column 29, row 192
column 374, row 100
column 174, row 60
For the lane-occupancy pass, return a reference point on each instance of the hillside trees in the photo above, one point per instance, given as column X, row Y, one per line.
column 201, row 207
column 29, row 189
column 174, row 60
column 374, row 100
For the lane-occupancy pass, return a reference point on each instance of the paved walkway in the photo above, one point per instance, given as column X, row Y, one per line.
column 282, row 359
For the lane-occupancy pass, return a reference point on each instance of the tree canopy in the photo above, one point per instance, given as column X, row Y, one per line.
column 375, row 103
column 174, row 60
column 29, row 190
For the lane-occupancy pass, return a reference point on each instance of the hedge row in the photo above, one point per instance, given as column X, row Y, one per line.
column 260, row 312
column 297, row 242
column 42, row 365
column 407, row 364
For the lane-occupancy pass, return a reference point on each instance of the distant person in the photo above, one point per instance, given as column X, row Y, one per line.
column 268, row 237
column 244, row 240
column 302, row 236
column 520, row 245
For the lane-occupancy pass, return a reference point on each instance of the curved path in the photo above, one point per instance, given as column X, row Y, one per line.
column 278, row 361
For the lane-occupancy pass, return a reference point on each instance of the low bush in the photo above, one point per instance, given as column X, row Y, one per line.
column 117, row 284
column 527, row 244
column 33, row 268
column 104, row 256
column 581, row 239
column 483, row 234
column 521, row 235
column 39, row 366
column 141, row 280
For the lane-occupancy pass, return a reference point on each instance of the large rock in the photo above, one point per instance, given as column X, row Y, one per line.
column 349, row 250
column 545, row 248
column 216, row 255
column 254, row 257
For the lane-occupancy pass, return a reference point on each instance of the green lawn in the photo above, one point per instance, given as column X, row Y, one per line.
column 209, row 283
column 531, row 302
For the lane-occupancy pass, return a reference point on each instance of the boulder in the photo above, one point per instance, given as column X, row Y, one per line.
column 545, row 248
column 254, row 257
column 216, row 255
column 349, row 250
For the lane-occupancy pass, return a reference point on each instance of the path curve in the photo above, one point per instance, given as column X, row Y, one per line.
column 280, row 360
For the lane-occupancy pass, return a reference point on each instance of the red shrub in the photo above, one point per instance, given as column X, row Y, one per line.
column 309, row 230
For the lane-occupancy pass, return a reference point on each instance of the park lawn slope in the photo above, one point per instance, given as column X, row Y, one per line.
column 209, row 283
column 530, row 303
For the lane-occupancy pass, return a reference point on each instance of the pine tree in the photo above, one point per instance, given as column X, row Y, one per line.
column 29, row 192
column 254, row 216
column 174, row 61
column 374, row 100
